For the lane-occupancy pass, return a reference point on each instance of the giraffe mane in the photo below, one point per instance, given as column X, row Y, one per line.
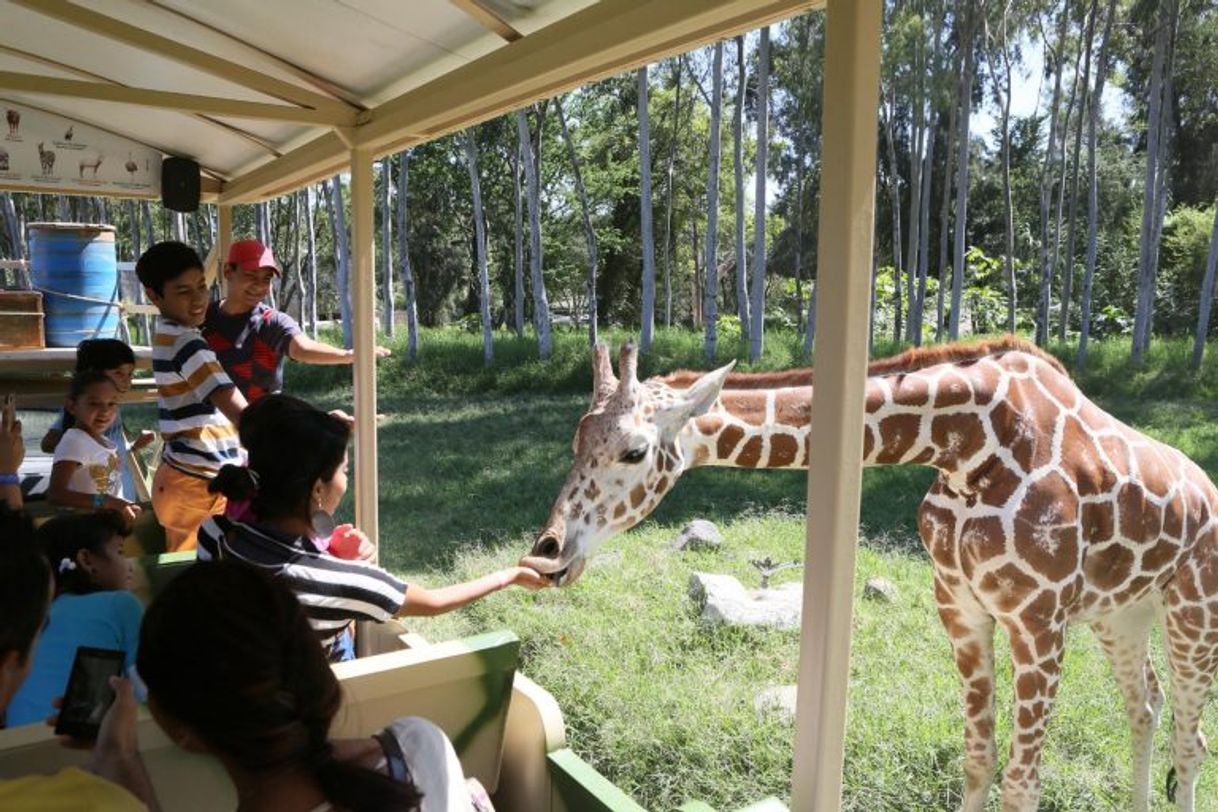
column 912, row 360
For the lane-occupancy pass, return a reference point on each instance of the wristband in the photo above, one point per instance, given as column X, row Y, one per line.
column 10, row 479
column 505, row 578
column 99, row 500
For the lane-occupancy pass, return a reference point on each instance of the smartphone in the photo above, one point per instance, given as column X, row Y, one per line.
column 88, row 695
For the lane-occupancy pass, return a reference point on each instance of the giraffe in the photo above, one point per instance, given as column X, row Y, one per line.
column 1046, row 511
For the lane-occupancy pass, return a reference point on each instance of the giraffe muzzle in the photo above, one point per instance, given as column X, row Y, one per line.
column 547, row 558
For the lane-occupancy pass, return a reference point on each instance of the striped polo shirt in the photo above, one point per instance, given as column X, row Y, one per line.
column 333, row 591
column 199, row 439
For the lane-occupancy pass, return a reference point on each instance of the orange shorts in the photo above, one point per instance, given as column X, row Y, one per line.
column 181, row 503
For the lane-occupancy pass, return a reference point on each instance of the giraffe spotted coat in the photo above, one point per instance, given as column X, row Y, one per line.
column 1046, row 511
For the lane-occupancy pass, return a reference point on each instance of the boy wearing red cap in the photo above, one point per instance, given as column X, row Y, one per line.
column 251, row 339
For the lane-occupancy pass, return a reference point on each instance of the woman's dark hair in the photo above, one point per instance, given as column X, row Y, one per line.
column 24, row 578
column 63, row 537
column 165, row 261
column 291, row 445
column 227, row 650
column 103, row 354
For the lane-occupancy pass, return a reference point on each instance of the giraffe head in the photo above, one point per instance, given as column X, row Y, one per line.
column 627, row 453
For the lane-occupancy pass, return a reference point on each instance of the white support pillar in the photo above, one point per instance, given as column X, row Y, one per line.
column 851, row 93
column 224, row 238
column 363, row 312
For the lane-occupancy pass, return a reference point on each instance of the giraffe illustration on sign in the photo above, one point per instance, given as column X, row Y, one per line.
column 1047, row 511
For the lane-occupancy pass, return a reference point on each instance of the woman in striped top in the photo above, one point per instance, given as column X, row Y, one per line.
column 297, row 476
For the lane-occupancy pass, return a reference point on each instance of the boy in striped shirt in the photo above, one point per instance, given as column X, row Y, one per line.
column 199, row 406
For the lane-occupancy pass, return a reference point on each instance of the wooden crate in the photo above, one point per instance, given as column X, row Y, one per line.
column 21, row 318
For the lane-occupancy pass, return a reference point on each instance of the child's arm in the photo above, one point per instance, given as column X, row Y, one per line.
column 230, row 402
column 307, row 351
column 428, row 602
column 59, row 493
column 50, row 440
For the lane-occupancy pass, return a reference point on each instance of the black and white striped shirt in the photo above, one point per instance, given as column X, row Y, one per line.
column 333, row 591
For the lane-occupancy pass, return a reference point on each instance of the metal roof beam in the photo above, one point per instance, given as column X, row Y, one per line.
column 182, row 102
column 488, row 18
column 250, row 78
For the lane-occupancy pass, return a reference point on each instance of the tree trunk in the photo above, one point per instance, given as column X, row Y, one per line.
column 1093, row 213
column 757, row 310
column 589, row 231
column 919, row 307
column 1149, row 196
column 945, row 201
column 742, row 272
column 387, row 244
column 672, row 156
column 297, row 266
column 484, row 283
column 1071, row 221
column 342, row 257
column 541, row 306
column 894, row 192
column 799, row 239
column 1207, row 294
column 1008, row 208
column 13, row 225
column 710, row 294
column 1047, row 180
column 310, row 303
column 518, row 276
column 404, row 268
column 917, row 144
column 649, row 248
column 966, row 100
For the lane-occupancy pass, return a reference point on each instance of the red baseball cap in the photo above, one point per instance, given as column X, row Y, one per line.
column 250, row 255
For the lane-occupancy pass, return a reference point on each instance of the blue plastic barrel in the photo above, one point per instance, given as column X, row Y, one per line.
column 76, row 268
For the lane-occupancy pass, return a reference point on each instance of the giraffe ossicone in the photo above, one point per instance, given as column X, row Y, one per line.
column 1047, row 511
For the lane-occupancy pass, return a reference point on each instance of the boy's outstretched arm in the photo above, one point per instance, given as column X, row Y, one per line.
column 307, row 351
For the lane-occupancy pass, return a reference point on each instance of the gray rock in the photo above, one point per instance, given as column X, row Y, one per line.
column 778, row 700
column 723, row 599
column 880, row 589
column 699, row 534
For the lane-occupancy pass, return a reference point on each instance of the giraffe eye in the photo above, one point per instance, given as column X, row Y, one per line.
column 635, row 455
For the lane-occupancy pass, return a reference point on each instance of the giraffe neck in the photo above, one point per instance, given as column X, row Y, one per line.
column 925, row 418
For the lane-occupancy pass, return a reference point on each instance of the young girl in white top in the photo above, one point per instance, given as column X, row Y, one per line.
column 85, row 473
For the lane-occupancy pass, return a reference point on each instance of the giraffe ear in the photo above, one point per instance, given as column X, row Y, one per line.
column 694, row 401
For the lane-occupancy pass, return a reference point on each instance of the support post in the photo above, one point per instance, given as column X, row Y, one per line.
column 851, row 88
column 224, row 238
column 363, row 314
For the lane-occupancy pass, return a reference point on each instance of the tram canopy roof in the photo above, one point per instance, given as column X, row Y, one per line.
column 272, row 95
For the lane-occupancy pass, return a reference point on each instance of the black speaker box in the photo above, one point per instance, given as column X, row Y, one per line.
column 180, row 184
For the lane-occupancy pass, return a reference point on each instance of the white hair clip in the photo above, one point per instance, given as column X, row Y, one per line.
column 66, row 564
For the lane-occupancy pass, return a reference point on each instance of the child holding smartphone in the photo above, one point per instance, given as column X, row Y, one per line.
column 92, row 606
column 85, row 473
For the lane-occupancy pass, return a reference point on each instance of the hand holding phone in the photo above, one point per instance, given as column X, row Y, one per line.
column 89, row 694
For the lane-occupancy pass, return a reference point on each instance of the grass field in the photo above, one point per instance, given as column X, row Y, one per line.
column 471, row 458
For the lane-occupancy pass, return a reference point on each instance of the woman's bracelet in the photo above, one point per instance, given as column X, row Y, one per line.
column 10, row 479
column 99, row 501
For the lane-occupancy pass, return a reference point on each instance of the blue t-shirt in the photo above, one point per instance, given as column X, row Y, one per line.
column 118, row 439
column 109, row 619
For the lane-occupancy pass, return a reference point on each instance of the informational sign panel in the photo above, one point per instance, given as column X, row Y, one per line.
column 44, row 152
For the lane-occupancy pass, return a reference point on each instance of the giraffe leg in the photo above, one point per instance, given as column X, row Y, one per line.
column 1125, row 637
column 1036, row 653
column 1192, row 655
column 971, row 631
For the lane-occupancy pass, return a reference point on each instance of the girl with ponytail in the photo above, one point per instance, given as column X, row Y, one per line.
column 296, row 478
column 250, row 686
